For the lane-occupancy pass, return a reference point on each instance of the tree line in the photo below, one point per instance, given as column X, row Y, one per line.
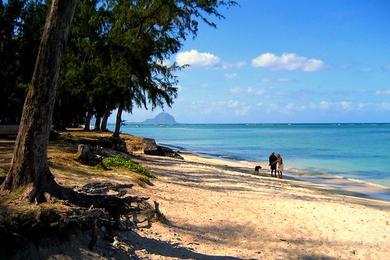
column 115, row 57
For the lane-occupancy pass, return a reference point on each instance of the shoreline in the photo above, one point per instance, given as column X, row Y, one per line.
column 342, row 185
column 227, row 211
column 330, row 150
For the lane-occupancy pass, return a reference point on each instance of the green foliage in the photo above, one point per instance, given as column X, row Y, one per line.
column 116, row 161
column 21, row 22
column 114, row 55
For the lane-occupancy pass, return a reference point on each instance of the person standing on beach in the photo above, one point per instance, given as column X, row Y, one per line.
column 280, row 166
column 273, row 160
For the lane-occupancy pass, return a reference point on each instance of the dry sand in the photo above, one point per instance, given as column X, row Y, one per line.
column 221, row 210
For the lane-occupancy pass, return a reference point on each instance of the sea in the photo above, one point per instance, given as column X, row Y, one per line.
column 353, row 154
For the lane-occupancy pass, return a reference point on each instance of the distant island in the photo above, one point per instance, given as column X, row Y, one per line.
column 162, row 118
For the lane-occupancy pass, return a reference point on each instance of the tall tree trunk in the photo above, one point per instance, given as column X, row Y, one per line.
column 87, row 125
column 29, row 166
column 104, row 120
column 118, row 121
column 98, row 122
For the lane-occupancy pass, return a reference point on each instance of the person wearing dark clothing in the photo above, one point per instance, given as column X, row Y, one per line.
column 273, row 161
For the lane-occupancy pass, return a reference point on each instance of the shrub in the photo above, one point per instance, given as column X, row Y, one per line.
column 116, row 161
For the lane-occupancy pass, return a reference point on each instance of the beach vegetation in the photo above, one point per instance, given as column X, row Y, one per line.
column 116, row 161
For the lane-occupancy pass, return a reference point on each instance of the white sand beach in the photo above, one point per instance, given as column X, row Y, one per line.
column 220, row 208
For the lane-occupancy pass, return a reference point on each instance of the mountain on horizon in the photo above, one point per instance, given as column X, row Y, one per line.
column 162, row 118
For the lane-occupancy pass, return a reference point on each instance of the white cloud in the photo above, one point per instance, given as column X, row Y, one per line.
column 283, row 80
column 324, row 105
column 228, row 65
column 230, row 107
column 277, row 80
column 383, row 92
column 249, row 90
column 255, row 91
column 230, row 75
column 362, row 106
column 205, row 59
column 294, row 107
column 287, row 61
column 235, row 90
column 239, row 108
column 345, row 105
column 195, row 58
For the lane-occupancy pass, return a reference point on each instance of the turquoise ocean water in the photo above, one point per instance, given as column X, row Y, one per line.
column 355, row 151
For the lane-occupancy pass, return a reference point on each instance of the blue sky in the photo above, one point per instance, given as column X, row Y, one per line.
column 287, row 61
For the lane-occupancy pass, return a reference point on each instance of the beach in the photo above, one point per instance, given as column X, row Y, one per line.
column 221, row 208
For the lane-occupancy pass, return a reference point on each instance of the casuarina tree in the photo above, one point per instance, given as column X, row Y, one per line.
column 29, row 167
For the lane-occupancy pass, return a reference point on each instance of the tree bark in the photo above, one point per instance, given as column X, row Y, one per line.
column 118, row 121
column 104, row 120
column 98, row 122
column 87, row 126
column 29, row 166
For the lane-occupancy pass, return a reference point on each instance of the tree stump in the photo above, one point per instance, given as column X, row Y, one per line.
column 86, row 155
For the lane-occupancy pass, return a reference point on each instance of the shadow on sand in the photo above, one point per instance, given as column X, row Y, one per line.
column 167, row 249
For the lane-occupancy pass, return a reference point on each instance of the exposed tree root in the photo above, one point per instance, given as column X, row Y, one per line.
column 89, row 209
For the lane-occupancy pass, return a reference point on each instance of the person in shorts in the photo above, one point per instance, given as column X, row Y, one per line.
column 280, row 166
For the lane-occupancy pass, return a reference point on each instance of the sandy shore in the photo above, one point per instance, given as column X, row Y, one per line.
column 220, row 209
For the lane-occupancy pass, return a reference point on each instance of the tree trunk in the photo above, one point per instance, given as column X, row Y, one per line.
column 87, row 125
column 118, row 121
column 98, row 122
column 104, row 120
column 29, row 166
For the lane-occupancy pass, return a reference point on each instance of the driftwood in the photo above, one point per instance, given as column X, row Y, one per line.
column 103, row 188
column 164, row 151
column 151, row 148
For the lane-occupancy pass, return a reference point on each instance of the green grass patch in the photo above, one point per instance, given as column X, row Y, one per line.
column 116, row 161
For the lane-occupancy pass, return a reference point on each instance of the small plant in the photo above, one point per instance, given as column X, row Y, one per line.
column 116, row 161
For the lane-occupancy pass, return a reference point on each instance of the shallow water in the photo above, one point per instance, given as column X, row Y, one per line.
column 356, row 151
